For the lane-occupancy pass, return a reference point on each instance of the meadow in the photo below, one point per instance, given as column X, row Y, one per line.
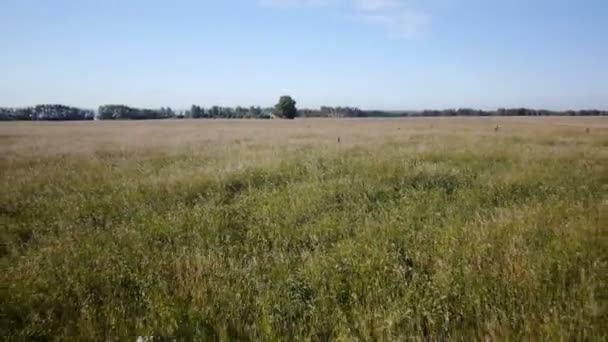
column 306, row 229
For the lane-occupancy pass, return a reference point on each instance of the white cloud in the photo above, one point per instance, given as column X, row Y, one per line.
column 394, row 16
column 407, row 24
column 375, row 5
column 293, row 3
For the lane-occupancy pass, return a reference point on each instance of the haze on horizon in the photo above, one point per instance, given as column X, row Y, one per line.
column 380, row 54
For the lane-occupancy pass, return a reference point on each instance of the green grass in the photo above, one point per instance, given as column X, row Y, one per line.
column 504, row 239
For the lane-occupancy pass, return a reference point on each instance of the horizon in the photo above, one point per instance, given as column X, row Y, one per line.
column 384, row 55
column 397, row 110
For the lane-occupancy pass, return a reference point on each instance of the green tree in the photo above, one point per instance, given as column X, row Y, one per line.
column 286, row 108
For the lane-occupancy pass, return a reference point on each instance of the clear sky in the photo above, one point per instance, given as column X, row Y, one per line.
column 383, row 54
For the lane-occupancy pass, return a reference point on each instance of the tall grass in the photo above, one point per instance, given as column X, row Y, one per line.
column 454, row 232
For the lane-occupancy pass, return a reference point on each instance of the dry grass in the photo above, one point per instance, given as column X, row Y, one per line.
column 211, row 229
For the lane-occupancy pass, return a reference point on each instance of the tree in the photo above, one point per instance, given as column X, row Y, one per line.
column 196, row 112
column 214, row 112
column 165, row 113
column 286, row 108
column 255, row 112
column 7, row 114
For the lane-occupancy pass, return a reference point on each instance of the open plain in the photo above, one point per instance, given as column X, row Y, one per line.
column 308, row 229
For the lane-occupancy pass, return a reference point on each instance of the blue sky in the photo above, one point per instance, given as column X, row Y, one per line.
column 384, row 54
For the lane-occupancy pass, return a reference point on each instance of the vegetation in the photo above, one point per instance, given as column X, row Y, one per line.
column 46, row 112
column 117, row 112
column 217, row 112
column 285, row 108
column 408, row 229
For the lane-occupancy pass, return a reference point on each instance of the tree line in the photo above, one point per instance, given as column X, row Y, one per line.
column 285, row 108
column 46, row 112
column 122, row 112
column 356, row 112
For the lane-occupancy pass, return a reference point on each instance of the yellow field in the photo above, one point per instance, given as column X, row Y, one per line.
column 87, row 138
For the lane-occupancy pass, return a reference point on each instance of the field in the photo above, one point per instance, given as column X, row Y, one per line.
column 312, row 229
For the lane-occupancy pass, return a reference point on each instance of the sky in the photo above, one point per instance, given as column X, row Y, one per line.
column 372, row 54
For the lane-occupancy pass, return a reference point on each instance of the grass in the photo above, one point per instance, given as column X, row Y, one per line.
column 270, row 230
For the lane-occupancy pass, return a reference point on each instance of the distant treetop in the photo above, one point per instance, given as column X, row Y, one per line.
column 286, row 108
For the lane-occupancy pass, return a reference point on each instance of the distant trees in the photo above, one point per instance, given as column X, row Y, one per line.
column 286, row 108
column 341, row 111
column 217, row 112
column 195, row 112
column 6, row 114
column 121, row 112
column 113, row 112
column 46, row 112
column 255, row 112
column 325, row 111
column 61, row 112
column 166, row 112
column 10, row 114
